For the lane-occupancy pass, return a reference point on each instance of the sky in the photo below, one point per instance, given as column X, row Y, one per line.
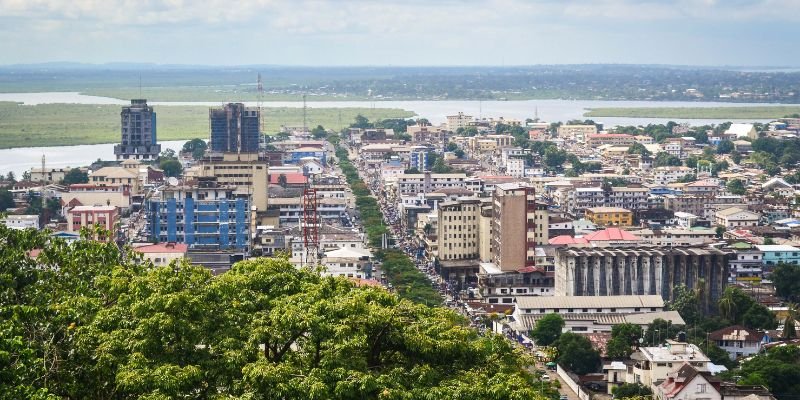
column 402, row 32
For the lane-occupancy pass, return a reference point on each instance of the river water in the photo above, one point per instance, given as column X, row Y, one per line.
column 21, row 159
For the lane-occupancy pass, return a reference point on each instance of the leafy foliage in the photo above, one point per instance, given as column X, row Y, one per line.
column 547, row 329
column 197, row 147
column 88, row 320
column 623, row 339
column 631, row 390
column 575, row 352
column 75, row 175
column 786, row 278
column 778, row 369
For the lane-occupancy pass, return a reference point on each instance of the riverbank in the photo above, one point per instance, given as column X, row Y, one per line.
column 733, row 112
column 77, row 124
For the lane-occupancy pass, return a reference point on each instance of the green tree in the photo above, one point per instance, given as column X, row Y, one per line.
column 440, row 167
column 736, row 157
column 736, row 186
column 171, row 167
column 759, row 317
column 197, row 147
column 106, row 324
column 691, row 162
column 6, row 200
column 75, row 176
column 451, row 147
column 547, row 329
column 459, row 153
column 362, row 122
column 575, row 352
column 638, row 148
column 631, row 390
column 660, row 330
column 282, row 180
column 725, row 147
column 624, row 337
column 778, row 369
column 554, row 158
column 786, row 278
column 664, row 159
column 687, row 304
column 319, row 132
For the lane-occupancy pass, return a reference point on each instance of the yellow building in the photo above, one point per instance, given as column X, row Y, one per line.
column 244, row 170
column 610, row 216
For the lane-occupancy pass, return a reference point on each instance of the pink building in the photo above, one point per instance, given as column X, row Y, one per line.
column 80, row 216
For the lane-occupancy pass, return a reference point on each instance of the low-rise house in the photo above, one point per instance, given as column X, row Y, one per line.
column 734, row 217
column 738, row 341
column 687, row 382
column 654, row 364
column 163, row 253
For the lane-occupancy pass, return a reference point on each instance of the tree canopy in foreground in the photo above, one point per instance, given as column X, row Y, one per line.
column 87, row 320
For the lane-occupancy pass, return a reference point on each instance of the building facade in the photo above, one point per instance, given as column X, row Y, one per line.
column 641, row 271
column 206, row 216
column 234, row 128
column 139, row 140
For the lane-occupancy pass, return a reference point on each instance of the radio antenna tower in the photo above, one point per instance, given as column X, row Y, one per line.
column 260, row 88
column 310, row 222
column 305, row 127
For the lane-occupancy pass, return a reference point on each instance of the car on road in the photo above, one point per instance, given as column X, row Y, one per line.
column 563, row 397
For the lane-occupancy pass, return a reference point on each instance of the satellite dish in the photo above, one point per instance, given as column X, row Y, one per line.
column 172, row 181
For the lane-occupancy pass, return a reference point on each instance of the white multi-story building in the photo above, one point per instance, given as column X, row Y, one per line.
column 515, row 167
column 427, row 182
column 459, row 120
column 666, row 175
column 21, row 221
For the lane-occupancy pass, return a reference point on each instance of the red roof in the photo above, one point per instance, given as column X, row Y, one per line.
column 164, row 248
column 292, row 178
column 566, row 239
column 611, row 234
column 33, row 253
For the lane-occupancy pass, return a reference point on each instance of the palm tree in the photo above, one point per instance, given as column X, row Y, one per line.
column 727, row 306
column 789, row 331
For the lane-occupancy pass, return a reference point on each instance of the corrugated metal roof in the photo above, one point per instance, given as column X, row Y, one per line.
column 641, row 301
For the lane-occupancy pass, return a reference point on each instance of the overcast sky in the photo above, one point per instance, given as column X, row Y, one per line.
column 402, row 32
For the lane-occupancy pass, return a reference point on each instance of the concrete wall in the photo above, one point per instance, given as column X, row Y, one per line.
column 574, row 386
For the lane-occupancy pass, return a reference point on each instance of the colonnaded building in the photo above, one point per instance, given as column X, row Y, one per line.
column 641, row 271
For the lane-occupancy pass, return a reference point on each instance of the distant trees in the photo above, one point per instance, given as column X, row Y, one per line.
column 665, row 159
column 172, row 167
column 575, row 352
column 778, row 369
column 786, row 278
column 319, row 132
column 739, row 308
column 547, row 329
column 196, row 147
column 554, row 158
column 624, row 337
column 75, row 176
column 6, row 200
column 725, row 147
column 736, row 186
column 638, row 148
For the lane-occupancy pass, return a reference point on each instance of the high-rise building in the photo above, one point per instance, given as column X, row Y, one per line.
column 519, row 224
column 139, row 141
column 234, row 128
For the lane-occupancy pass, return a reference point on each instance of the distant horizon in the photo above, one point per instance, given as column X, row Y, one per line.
column 257, row 65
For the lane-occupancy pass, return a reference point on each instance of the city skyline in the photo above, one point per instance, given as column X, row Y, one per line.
column 400, row 33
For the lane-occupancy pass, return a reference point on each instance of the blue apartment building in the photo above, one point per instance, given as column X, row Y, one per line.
column 203, row 216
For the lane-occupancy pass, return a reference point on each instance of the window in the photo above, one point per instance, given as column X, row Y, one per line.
column 701, row 388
